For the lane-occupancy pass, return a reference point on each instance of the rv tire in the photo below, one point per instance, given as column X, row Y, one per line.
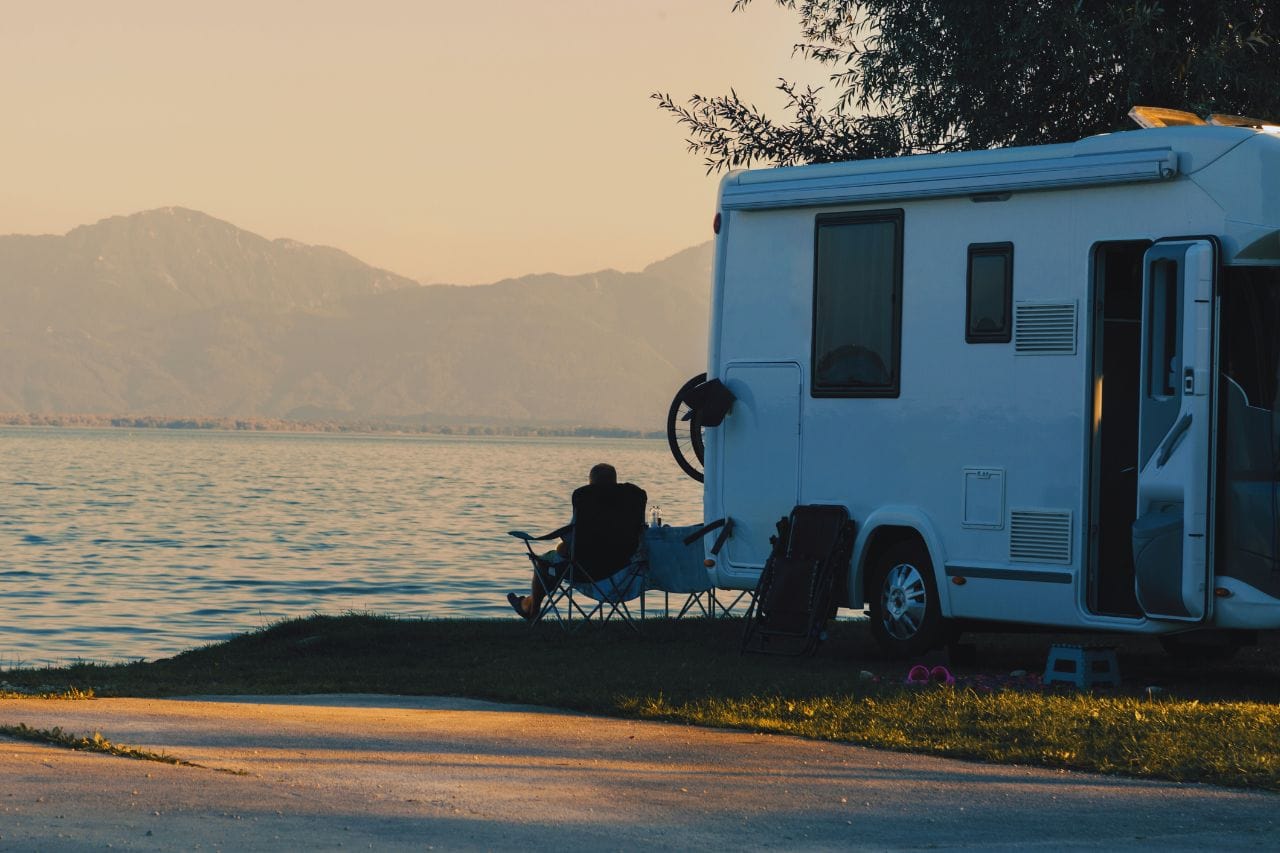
column 684, row 437
column 906, row 615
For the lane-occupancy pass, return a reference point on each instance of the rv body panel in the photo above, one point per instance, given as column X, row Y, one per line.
column 1237, row 185
column 985, row 450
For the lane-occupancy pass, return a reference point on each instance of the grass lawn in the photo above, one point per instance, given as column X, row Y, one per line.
column 1215, row 722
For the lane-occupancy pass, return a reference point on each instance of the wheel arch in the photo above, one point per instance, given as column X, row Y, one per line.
column 882, row 528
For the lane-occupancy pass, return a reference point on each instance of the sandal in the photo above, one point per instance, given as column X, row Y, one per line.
column 941, row 675
column 919, row 674
column 517, row 604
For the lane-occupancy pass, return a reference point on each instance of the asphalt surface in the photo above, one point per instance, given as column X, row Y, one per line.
column 387, row 772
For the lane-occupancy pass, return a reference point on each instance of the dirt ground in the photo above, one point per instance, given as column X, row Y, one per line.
column 390, row 772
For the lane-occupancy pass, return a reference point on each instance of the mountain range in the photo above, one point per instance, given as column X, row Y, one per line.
column 172, row 312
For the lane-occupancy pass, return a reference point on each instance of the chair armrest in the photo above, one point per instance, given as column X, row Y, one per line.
column 704, row 530
column 555, row 534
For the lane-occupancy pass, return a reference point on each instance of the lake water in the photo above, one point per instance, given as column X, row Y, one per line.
column 118, row 545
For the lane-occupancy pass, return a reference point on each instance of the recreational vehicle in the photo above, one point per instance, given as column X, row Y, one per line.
column 1043, row 381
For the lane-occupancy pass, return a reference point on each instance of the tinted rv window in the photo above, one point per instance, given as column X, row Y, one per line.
column 1164, row 360
column 857, row 301
column 990, row 294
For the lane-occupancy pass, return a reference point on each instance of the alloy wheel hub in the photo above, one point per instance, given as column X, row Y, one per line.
column 905, row 601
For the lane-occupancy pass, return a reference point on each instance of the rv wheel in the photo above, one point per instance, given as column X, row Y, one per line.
column 684, row 430
column 906, row 616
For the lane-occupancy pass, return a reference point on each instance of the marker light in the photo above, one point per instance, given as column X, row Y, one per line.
column 709, row 563
column 715, row 223
column 1222, row 592
column 958, row 581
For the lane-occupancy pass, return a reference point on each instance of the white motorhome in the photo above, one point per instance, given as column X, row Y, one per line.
column 1043, row 381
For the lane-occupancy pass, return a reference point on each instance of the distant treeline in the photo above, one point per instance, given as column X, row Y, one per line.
column 283, row 425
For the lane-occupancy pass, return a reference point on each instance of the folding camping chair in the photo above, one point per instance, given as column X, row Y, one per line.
column 605, row 563
column 676, row 567
column 797, row 592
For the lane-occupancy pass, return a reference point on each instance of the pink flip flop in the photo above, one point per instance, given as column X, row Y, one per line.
column 941, row 675
column 919, row 674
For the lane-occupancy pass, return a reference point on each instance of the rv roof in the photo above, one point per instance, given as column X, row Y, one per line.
column 1124, row 157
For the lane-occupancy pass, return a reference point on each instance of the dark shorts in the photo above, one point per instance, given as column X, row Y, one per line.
column 550, row 570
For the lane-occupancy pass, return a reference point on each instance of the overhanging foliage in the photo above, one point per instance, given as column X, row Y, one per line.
column 946, row 75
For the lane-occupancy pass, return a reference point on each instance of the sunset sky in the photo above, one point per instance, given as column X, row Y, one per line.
column 448, row 141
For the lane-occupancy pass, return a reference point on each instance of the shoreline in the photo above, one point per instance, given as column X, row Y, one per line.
column 229, row 425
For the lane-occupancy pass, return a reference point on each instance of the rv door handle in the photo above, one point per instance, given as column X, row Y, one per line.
column 724, row 535
column 1171, row 440
column 1189, row 381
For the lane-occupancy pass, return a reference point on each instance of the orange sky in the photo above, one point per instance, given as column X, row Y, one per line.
column 457, row 142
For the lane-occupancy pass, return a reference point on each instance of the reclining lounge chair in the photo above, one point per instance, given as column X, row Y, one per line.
column 799, row 586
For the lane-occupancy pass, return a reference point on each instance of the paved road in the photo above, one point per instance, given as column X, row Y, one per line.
column 385, row 772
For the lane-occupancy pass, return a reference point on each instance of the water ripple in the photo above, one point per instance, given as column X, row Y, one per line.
column 118, row 545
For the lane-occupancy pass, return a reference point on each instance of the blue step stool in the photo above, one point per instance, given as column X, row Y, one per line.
column 1083, row 666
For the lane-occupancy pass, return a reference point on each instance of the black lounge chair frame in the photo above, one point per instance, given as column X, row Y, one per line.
column 800, row 582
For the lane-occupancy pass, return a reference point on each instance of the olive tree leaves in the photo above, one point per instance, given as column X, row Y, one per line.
column 946, row 75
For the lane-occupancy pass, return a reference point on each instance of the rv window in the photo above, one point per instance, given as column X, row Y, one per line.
column 857, row 298
column 990, row 294
column 1164, row 359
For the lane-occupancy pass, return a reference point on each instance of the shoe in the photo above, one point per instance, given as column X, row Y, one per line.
column 517, row 604
column 919, row 674
column 941, row 675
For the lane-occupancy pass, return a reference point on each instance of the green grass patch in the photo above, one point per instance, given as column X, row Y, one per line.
column 1188, row 741
column 1213, row 723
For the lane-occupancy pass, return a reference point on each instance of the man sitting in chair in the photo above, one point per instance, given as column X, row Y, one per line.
column 608, row 518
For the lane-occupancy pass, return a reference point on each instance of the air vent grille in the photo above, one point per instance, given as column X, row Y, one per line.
column 1044, row 328
column 1040, row 536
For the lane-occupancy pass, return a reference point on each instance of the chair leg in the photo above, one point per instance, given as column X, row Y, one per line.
column 551, row 605
column 695, row 601
column 552, row 599
column 617, row 603
column 584, row 615
column 727, row 610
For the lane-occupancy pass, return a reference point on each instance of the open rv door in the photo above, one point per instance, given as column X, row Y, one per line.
column 1171, row 537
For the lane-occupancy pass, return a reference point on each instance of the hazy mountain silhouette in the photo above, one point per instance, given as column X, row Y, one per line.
column 172, row 312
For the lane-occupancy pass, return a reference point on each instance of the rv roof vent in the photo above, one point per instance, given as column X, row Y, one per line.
column 1044, row 328
column 1244, row 121
column 1040, row 535
column 1162, row 117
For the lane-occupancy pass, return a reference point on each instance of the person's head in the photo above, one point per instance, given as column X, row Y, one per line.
column 603, row 474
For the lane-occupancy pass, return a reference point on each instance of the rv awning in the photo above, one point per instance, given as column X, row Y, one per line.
column 751, row 192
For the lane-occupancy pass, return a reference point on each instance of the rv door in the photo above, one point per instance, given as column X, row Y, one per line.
column 1171, row 552
column 760, row 462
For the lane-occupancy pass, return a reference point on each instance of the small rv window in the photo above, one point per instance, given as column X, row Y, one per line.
column 1164, row 358
column 857, row 304
column 990, row 294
